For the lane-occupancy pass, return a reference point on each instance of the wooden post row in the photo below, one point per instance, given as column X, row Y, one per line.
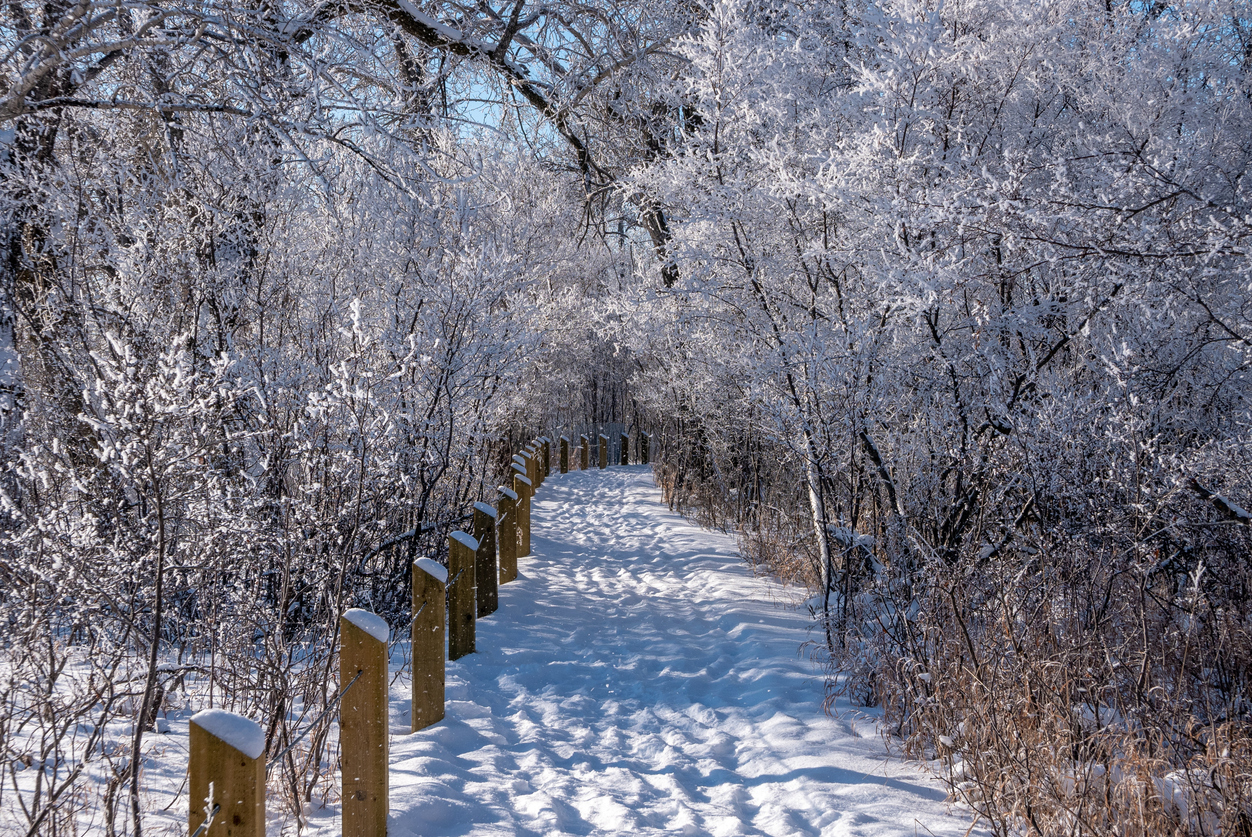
column 604, row 451
column 226, row 767
column 584, row 447
column 430, row 585
column 363, row 723
column 486, row 575
column 462, row 597
column 625, row 449
column 522, row 486
column 564, row 455
column 507, row 525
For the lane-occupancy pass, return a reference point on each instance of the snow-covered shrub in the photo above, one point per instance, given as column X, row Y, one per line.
column 976, row 278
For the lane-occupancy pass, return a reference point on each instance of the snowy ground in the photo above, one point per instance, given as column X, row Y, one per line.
column 635, row 680
column 638, row 680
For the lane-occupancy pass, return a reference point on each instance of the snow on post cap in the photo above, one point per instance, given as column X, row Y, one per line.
column 433, row 569
column 519, row 459
column 465, row 540
column 520, row 468
column 565, row 438
column 371, row 623
column 507, row 492
column 244, row 734
column 525, row 479
column 485, row 509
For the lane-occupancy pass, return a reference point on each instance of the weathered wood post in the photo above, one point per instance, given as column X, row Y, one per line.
column 462, row 597
column 507, row 535
column 525, row 491
column 564, row 455
column 430, row 586
column 604, row 451
column 363, row 723
column 226, row 768
column 584, row 446
column 625, row 449
column 547, row 457
column 645, row 445
column 486, row 574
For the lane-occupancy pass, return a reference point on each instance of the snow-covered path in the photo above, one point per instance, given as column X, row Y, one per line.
column 638, row 680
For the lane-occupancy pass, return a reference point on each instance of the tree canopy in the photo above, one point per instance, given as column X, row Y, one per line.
column 944, row 307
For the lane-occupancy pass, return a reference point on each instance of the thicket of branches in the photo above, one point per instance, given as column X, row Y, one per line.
column 270, row 309
column 964, row 342
column 945, row 307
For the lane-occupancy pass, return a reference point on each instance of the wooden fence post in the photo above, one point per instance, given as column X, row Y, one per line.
column 506, row 522
column 584, row 447
column 547, row 457
column 363, row 723
column 462, row 556
column 430, row 585
column 645, row 445
column 604, row 451
column 564, row 455
column 525, row 491
column 625, row 449
column 486, row 574
column 226, row 767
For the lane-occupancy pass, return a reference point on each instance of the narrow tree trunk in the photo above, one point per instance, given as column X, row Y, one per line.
column 817, row 506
